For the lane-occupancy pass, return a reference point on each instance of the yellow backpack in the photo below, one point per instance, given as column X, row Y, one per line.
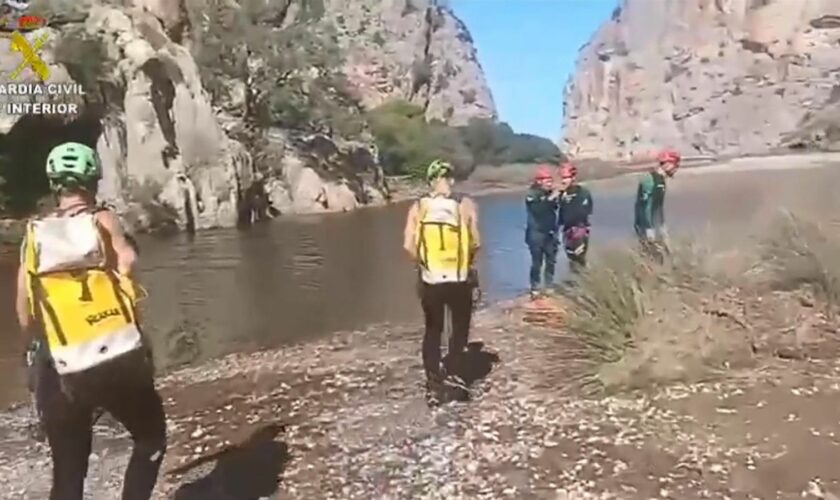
column 443, row 241
column 87, row 312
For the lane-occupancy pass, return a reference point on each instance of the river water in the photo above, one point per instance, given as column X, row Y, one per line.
column 302, row 277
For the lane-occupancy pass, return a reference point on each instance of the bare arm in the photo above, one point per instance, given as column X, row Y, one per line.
column 470, row 211
column 22, row 300
column 126, row 255
column 22, row 309
column 410, row 231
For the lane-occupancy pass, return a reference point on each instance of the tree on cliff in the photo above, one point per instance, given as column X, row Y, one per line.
column 280, row 58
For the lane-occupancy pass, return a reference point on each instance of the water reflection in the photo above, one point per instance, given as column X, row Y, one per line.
column 298, row 278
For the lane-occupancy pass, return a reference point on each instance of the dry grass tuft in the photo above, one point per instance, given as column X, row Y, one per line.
column 609, row 301
column 802, row 253
column 646, row 322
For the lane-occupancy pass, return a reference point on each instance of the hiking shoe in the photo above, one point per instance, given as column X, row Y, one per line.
column 455, row 382
column 97, row 414
column 36, row 432
column 535, row 294
column 455, row 388
column 434, row 392
column 35, row 428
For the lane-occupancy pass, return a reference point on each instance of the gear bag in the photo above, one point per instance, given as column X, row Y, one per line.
column 443, row 241
column 87, row 312
column 575, row 239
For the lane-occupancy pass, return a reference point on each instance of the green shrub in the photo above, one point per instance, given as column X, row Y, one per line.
column 407, row 143
column 293, row 78
column 524, row 148
column 288, row 107
column 399, row 107
column 497, row 144
column 446, row 143
column 481, row 136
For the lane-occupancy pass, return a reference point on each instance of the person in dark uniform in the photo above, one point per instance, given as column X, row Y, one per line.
column 541, row 204
column 573, row 214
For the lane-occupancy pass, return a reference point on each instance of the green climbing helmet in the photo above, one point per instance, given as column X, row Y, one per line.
column 438, row 169
column 73, row 163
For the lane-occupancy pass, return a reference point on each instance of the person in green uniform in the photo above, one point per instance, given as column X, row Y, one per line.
column 573, row 214
column 650, row 205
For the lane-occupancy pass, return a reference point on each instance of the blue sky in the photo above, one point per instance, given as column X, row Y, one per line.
column 527, row 49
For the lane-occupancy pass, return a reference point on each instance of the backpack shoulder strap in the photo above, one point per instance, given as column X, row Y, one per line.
column 422, row 206
column 74, row 210
column 104, row 206
column 459, row 198
column 26, row 253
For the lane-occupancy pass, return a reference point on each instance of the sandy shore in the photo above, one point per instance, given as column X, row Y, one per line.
column 786, row 162
column 346, row 418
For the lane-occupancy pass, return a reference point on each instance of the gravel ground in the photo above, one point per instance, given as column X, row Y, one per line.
column 347, row 418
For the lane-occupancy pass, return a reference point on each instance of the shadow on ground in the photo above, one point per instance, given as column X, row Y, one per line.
column 250, row 471
column 472, row 365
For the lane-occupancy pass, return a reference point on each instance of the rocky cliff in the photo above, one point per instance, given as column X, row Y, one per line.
column 413, row 50
column 174, row 153
column 705, row 76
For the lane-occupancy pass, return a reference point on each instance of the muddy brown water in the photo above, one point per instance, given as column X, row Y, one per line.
column 303, row 277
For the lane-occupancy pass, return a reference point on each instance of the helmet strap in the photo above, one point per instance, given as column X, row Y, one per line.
column 441, row 186
column 82, row 190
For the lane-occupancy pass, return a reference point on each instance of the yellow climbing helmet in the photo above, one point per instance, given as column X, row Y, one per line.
column 437, row 169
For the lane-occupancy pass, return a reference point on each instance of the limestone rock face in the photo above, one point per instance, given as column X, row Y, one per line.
column 165, row 157
column 414, row 50
column 167, row 140
column 705, row 76
column 169, row 154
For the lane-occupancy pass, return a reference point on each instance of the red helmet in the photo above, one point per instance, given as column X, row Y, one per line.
column 568, row 170
column 543, row 172
column 668, row 156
